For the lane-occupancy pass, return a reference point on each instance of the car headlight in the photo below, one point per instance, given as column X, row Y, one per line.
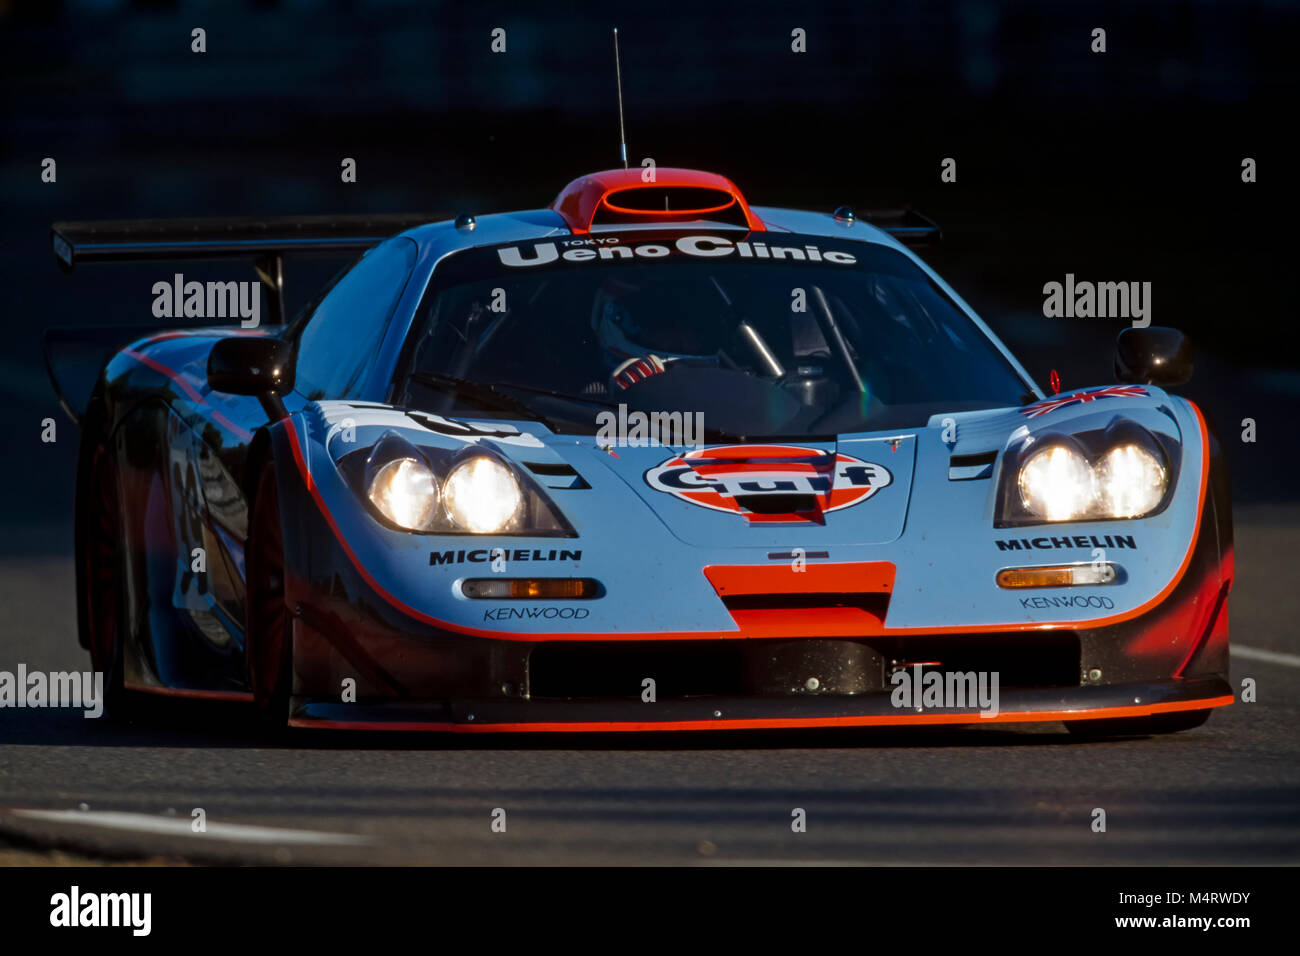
column 1130, row 481
column 1057, row 483
column 482, row 495
column 468, row 490
column 406, row 493
column 1122, row 471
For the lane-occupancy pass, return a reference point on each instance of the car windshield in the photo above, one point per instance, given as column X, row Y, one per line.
column 769, row 335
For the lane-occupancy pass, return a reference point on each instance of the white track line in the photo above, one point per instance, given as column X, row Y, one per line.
column 1268, row 657
column 148, row 823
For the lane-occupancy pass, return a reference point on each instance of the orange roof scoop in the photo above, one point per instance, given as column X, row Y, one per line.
column 621, row 197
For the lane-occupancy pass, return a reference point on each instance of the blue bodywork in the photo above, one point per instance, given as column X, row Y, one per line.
column 388, row 608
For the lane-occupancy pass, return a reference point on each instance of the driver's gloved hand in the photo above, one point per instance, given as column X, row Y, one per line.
column 638, row 369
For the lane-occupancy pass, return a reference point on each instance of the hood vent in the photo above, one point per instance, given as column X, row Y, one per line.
column 970, row 467
column 556, row 475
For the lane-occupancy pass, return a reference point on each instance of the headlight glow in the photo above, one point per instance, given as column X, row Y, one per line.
column 1130, row 481
column 482, row 495
column 405, row 492
column 1056, row 483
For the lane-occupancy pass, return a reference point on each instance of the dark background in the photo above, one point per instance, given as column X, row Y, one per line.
column 1122, row 166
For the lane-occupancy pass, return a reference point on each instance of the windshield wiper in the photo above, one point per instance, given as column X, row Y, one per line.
column 551, row 393
column 485, row 394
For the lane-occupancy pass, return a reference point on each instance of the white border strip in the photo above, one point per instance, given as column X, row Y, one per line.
column 148, row 823
column 1268, row 657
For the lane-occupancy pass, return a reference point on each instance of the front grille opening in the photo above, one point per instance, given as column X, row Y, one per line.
column 573, row 670
column 679, row 669
column 1029, row 659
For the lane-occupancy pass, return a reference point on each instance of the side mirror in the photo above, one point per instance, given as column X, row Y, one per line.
column 1155, row 355
column 251, row 365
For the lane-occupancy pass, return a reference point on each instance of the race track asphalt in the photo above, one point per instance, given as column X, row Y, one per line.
column 1228, row 792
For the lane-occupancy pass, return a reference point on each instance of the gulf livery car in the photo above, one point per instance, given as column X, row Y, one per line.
column 646, row 459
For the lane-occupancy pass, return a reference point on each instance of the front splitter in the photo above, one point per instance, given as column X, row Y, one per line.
column 751, row 713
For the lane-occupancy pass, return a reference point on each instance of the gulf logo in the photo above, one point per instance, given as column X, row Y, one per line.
column 735, row 479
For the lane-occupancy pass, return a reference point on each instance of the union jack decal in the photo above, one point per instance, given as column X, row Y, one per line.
column 1090, row 395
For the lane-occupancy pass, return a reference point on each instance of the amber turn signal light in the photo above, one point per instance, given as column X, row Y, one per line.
column 541, row 589
column 1062, row 576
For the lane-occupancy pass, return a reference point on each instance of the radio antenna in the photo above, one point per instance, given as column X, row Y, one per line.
column 618, row 82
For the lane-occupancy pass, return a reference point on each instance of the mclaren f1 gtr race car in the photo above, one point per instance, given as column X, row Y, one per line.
column 649, row 458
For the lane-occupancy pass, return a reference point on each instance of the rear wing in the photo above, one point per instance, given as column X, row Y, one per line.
column 908, row 226
column 263, row 241
column 74, row 358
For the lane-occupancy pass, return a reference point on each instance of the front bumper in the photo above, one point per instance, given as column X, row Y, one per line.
column 722, row 713
column 425, row 674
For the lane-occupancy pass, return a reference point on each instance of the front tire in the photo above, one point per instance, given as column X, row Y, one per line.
column 102, row 569
column 269, row 626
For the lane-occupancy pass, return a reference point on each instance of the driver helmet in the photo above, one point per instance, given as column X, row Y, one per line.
column 666, row 320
